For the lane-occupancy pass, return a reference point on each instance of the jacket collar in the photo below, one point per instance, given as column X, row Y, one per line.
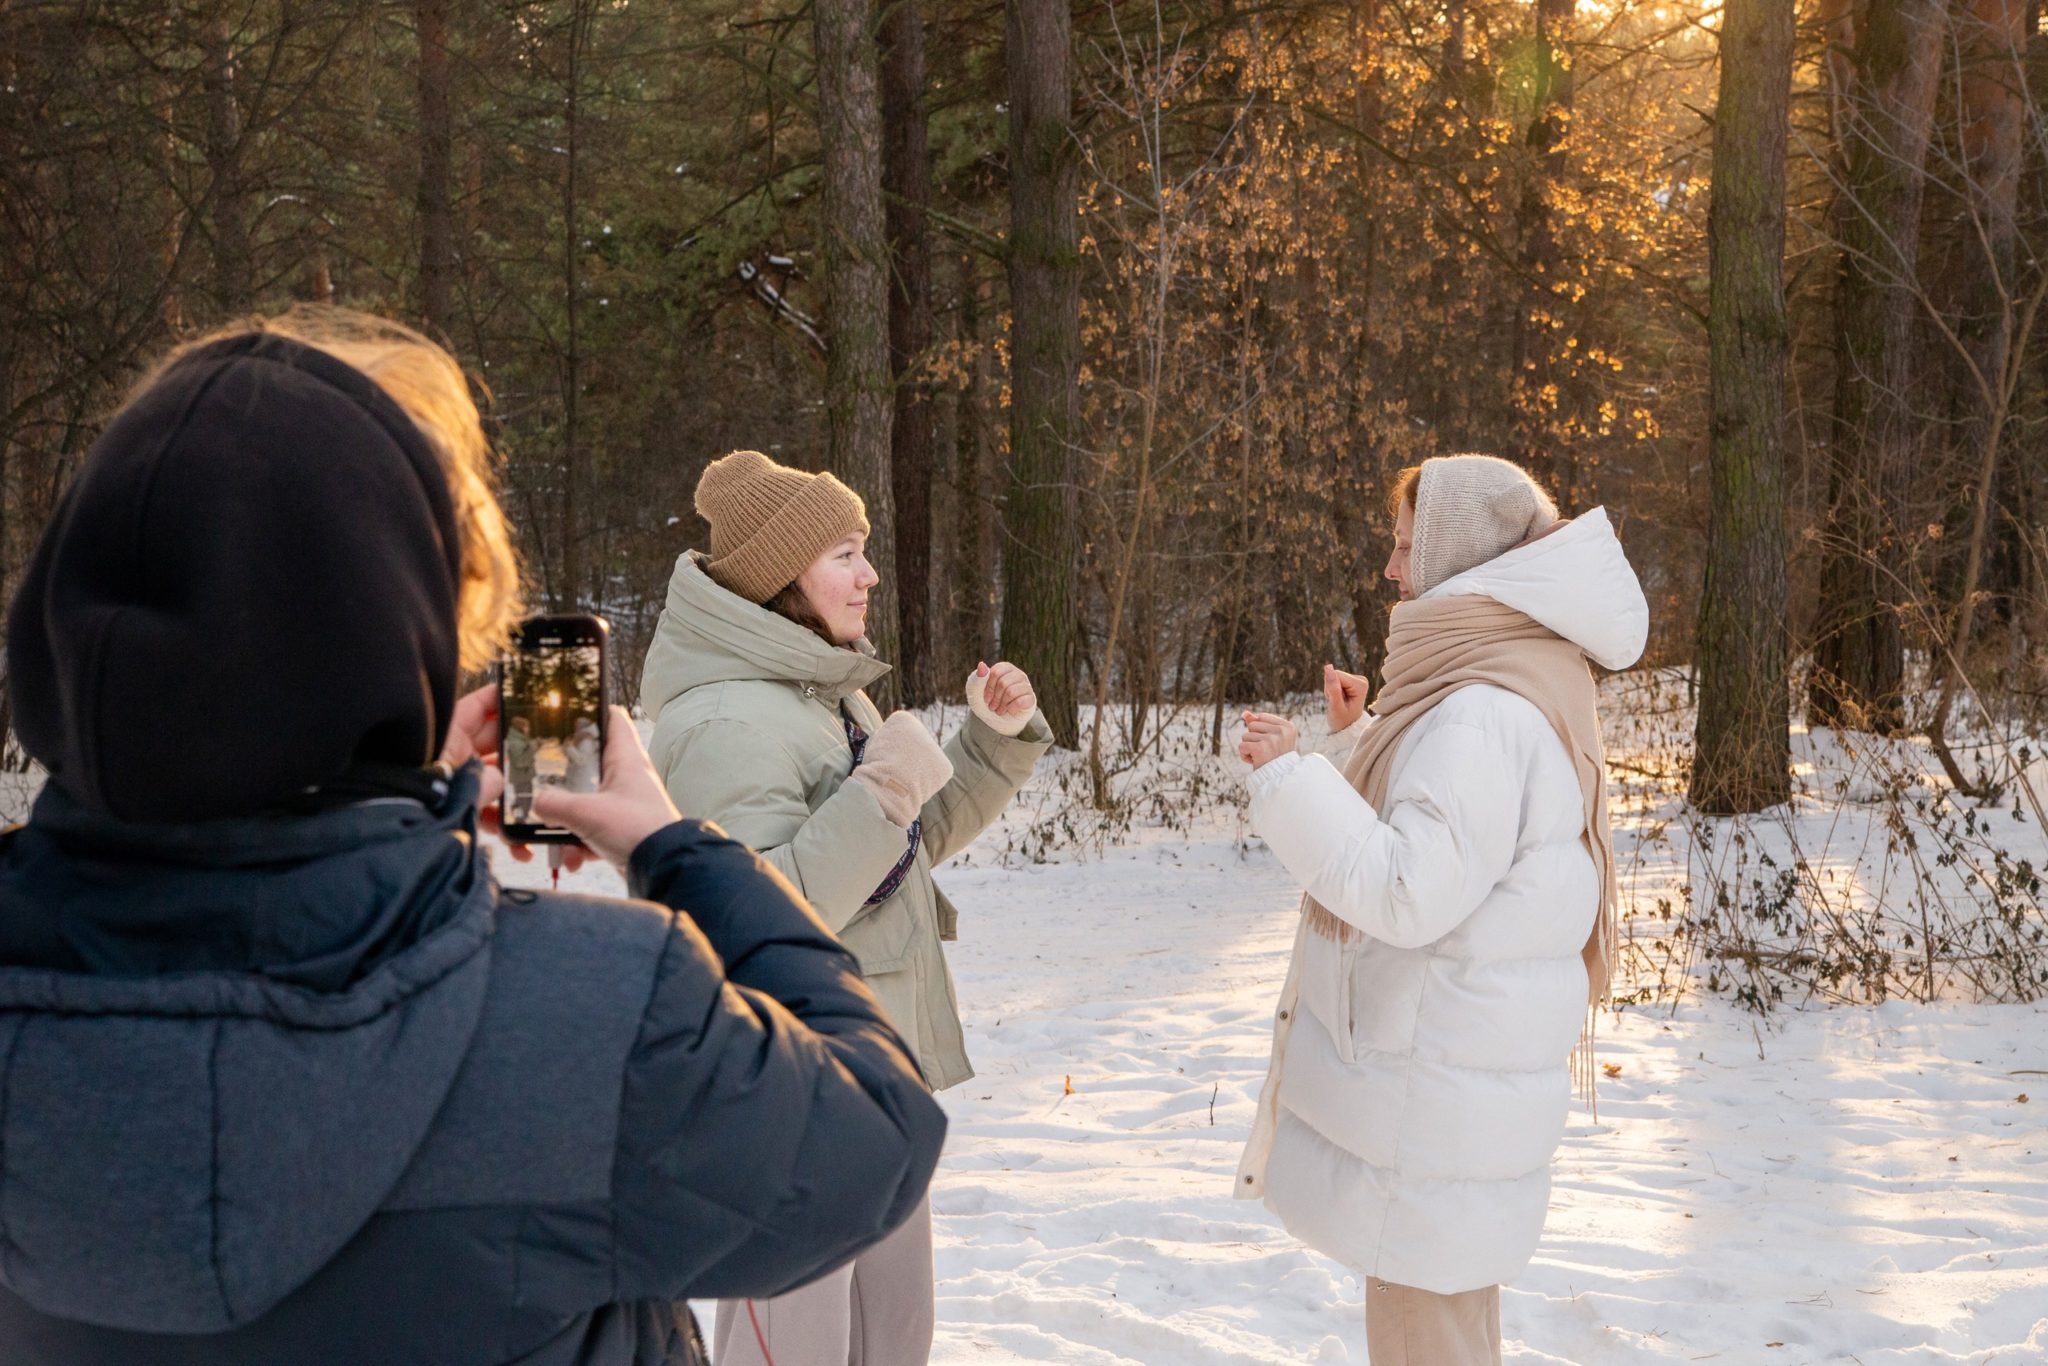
column 708, row 634
column 318, row 902
column 1577, row 581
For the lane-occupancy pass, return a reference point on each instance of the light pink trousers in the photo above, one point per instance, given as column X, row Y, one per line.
column 1409, row 1327
column 876, row 1311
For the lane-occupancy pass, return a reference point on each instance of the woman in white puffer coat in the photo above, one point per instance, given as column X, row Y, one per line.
column 1459, row 909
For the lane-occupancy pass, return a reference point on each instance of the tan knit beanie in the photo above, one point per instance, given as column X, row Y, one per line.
column 1468, row 509
column 769, row 522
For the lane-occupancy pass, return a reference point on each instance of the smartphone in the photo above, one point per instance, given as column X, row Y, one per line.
column 552, row 706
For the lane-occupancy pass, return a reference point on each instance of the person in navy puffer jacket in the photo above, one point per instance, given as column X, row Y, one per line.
column 285, row 1076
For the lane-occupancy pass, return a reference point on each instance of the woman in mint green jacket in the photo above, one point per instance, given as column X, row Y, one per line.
column 755, row 682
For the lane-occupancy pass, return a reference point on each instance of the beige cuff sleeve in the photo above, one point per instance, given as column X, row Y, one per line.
column 904, row 767
column 1009, row 727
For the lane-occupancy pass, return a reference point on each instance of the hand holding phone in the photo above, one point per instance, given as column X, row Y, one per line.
column 552, row 715
column 629, row 805
column 473, row 734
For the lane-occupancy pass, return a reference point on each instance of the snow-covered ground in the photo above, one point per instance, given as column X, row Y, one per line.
column 1851, row 1184
column 1857, row 1184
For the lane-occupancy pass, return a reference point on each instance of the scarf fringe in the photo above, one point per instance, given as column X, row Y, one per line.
column 1328, row 926
column 1585, row 1067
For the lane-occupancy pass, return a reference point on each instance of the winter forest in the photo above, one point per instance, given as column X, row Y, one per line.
column 1123, row 318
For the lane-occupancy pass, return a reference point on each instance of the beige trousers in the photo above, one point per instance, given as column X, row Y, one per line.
column 1409, row 1327
column 876, row 1311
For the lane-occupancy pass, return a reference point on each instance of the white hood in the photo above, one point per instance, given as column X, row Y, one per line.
column 1576, row 581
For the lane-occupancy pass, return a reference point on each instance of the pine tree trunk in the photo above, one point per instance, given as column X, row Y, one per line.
column 2025, row 498
column 437, row 235
column 1535, row 440
column 8, row 362
column 1992, row 34
column 859, row 388
column 582, row 16
column 906, row 172
column 1859, row 661
column 1363, row 479
column 1041, row 560
column 13, row 294
column 1451, row 106
column 1742, row 743
column 233, row 270
column 978, row 484
column 949, row 474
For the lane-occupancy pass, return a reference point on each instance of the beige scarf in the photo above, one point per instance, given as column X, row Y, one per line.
column 1436, row 646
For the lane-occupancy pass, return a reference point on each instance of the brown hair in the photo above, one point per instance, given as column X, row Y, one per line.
column 1403, row 492
column 793, row 604
column 430, row 387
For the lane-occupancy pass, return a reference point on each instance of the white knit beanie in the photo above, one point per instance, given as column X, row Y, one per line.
column 1468, row 509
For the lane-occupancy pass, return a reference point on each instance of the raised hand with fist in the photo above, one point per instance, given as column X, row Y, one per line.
column 1266, row 738
column 1346, row 695
column 1002, row 696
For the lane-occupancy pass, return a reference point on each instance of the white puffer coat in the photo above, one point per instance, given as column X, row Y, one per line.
column 1407, row 1128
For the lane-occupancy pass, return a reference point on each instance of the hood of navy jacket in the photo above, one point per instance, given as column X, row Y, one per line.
column 249, row 588
column 1577, row 581
column 222, row 1044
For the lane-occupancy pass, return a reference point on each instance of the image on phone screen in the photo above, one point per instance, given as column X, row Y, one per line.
column 551, row 723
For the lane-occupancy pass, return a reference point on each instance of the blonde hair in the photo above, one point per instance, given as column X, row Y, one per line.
column 425, row 382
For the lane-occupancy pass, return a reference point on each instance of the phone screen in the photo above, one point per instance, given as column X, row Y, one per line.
column 551, row 718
